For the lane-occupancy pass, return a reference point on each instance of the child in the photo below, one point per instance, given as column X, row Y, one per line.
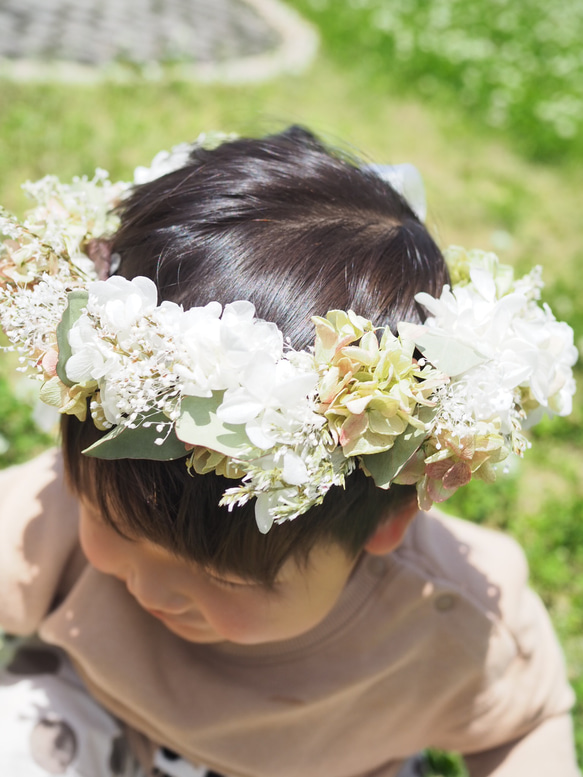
column 271, row 607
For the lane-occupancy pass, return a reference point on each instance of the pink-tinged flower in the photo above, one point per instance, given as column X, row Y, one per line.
column 369, row 391
column 49, row 362
column 337, row 330
column 452, row 455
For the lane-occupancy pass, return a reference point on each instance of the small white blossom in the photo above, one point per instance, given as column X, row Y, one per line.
column 168, row 161
column 163, row 163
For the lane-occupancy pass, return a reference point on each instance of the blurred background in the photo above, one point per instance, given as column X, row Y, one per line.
column 485, row 98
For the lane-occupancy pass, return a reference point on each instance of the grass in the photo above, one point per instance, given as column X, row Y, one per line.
column 20, row 437
column 516, row 67
column 482, row 193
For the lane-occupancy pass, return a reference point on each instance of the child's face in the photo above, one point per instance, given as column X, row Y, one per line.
column 201, row 606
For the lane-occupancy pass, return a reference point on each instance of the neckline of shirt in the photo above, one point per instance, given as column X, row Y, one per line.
column 367, row 575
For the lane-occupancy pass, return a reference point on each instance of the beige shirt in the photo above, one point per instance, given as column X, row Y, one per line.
column 439, row 644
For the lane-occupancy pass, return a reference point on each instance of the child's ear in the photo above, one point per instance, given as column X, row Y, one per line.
column 389, row 535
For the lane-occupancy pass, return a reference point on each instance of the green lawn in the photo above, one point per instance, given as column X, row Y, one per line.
column 487, row 187
column 516, row 67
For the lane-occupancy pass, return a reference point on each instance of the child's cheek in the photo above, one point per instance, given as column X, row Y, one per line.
column 90, row 548
column 237, row 618
column 96, row 547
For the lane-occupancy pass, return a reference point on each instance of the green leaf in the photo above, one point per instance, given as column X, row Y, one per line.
column 384, row 467
column 124, row 443
column 198, row 424
column 450, row 360
column 75, row 306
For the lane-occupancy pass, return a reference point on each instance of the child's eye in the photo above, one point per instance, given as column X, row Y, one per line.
column 231, row 584
column 242, row 584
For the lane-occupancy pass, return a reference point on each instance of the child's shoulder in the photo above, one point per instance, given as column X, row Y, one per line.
column 38, row 525
column 482, row 564
column 46, row 466
column 34, row 496
column 41, row 479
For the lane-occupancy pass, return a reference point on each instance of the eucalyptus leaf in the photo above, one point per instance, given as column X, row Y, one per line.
column 451, row 360
column 77, row 302
column 139, row 443
column 384, row 467
column 198, row 424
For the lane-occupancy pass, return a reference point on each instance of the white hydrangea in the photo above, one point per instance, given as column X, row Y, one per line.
column 168, row 161
column 517, row 344
column 270, row 399
column 127, row 343
column 163, row 163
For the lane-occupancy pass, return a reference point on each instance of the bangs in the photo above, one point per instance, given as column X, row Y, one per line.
column 285, row 224
column 163, row 503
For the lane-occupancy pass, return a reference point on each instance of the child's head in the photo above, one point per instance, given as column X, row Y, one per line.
column 297, row 230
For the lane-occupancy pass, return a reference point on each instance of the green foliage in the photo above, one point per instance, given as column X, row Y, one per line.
column 491, row 504
column 443, row 764
column 514, row 66
column 20, row 437
column 564, row 296
column 553, row 540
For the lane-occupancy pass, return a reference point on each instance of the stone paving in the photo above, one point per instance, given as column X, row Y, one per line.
column 95, row 32
column 229, row 40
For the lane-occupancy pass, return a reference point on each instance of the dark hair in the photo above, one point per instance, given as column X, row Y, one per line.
column 298, row 230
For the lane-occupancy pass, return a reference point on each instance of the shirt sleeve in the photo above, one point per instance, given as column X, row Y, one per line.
column 514, row 718
column 38, row 530
column 546, row 750
column 530, row 706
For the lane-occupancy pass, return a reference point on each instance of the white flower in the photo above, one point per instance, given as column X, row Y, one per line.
column 163, row 163
column 213, row 350
column 294, row 471
column 551, row 382
column 519, row 344
column 487, row 394
column 29, row 318
column 272, row 398
column 120, row 303
column 267, row 504
column 68, row 215
column 168, row 161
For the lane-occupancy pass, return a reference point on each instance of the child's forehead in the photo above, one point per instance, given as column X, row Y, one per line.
column 325, row 561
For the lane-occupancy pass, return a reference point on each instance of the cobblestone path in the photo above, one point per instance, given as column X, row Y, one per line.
column 94, row 32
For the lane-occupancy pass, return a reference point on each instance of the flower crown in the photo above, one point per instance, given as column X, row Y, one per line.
column 223, row 389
